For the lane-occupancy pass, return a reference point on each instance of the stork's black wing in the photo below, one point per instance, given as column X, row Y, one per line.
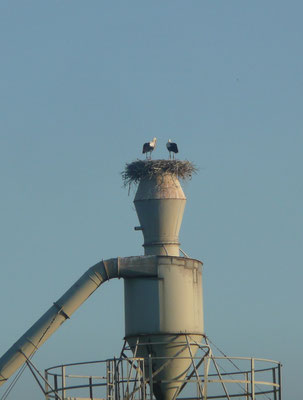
column 146, row 148
column 174, row 148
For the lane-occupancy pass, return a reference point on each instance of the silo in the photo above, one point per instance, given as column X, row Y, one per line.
column 164, row 314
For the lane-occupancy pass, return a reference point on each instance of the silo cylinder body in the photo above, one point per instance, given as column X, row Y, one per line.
column 164, row 315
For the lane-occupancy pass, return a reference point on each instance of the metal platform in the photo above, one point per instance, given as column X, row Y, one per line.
column 209, row 377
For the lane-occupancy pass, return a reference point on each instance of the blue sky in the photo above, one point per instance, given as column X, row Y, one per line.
column 82, row 86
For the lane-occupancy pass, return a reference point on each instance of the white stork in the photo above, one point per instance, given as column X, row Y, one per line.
column 172, row 148
column 148, row 147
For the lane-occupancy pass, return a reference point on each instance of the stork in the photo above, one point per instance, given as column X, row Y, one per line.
column 172, row 148
column 148, row 147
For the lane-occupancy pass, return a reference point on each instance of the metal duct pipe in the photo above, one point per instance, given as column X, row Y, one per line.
column 62, row 309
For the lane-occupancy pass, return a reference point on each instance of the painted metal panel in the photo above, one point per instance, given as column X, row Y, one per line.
column 141, row 301
column 170, row 304
column 160, row 204
column 180, row 296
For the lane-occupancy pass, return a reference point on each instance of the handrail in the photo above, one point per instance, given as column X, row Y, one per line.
column 263, row 384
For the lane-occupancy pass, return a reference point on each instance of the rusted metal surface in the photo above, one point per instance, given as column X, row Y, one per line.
column 170, row 303
column 160, row 204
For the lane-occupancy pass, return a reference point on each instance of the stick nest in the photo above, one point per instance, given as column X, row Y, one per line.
column 148, row 169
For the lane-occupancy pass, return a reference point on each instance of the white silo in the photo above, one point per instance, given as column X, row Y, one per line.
column 164, row 315
column 164, row 325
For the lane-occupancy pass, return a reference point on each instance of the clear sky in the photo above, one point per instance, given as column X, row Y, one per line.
column 83, row 84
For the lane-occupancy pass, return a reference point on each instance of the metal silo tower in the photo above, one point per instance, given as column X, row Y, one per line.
column 164, row 315
column 166, row 354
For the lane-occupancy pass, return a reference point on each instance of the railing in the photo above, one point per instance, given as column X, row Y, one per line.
column 128, row 378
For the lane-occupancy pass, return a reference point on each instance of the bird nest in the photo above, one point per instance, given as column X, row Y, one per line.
column 148, row 169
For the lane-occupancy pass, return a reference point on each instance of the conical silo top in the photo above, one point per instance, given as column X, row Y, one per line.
column 166, row 186
column 159, row 202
